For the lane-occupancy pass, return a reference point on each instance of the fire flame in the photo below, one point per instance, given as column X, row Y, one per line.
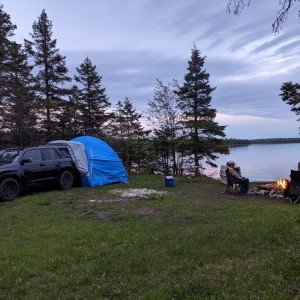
column 281, row 184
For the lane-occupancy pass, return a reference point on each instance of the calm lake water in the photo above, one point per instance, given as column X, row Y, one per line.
column 261, row 162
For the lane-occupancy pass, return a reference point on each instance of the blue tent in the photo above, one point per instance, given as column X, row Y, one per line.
column 104, row 164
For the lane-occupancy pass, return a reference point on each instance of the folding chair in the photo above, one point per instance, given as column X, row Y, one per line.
column 232, row 184
column 293, row 189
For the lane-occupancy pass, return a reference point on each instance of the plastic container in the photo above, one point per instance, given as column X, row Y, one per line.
column 169, row 180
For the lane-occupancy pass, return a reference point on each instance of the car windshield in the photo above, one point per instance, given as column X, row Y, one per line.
column 9, row 155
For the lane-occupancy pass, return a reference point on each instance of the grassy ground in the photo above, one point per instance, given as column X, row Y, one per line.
column 196, row 242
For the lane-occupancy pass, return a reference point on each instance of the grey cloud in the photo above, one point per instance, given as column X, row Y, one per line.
column 144, row 69
column 293, row 46
column 259, row 98
column 134, row 75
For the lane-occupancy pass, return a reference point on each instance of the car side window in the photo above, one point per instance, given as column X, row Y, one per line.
column 48, row 154
column 63, row 152
column 57, row 156
column 34, row 154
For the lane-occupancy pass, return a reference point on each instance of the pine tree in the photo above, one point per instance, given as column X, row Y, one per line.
column 6, row 32
column 204, row 137
column 19, row 117
column 93, row 100
column 52, row 74
column 129, row 136
column 69, row 119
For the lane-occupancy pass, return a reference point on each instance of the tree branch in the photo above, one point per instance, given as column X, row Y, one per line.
column 282, row 15
column 238, row 5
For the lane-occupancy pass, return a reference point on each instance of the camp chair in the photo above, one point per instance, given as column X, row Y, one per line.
column 232, row 183
column 293, row 189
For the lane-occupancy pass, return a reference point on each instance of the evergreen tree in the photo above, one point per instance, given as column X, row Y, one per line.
column 51, row 76
column 203, row 136
column 92, row 98
column 19, row 118
column 69, row 119
column 163, row 116
column 129, row 135
column 6, row 32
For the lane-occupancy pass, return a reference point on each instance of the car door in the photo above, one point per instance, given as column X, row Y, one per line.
column 33, row 166
column 52, row 164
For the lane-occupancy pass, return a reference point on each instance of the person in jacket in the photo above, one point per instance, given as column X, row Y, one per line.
column 235, row 172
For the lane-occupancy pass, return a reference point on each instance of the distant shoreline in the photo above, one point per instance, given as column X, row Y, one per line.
column 244, row 142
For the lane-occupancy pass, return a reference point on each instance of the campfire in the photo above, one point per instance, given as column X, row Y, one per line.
column 274, row 190
column 282, row 184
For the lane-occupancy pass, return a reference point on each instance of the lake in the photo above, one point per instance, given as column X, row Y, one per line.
column 261, row 162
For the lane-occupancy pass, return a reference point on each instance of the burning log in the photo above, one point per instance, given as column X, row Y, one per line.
column 282, row 184
column 273, row 190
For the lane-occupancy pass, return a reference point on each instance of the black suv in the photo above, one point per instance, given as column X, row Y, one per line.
column 35, row 166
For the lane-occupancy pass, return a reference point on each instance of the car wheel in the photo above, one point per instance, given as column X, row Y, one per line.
column 66, row 180
column 9, row 189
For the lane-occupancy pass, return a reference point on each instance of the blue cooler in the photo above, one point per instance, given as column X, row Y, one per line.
column 169, row 181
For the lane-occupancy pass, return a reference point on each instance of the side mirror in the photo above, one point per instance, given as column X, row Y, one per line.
column 26, row 160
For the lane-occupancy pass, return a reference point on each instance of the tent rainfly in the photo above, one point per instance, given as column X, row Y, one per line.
column 104, row 164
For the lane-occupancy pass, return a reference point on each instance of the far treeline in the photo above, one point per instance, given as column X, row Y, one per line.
column 242, row 142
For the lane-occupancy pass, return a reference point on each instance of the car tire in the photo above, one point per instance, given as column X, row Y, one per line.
column 66, row 180
column 9, row 189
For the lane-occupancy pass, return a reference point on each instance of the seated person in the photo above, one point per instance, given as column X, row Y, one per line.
column 235, row 172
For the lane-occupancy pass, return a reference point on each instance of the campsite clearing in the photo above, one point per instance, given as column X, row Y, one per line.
column 192, row 241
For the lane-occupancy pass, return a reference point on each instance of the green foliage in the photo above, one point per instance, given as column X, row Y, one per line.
column 91, row 98
column 6, row 31
column 52, row 74
column 195, row 242
column 163, row 116
column 291, row 95
column 18, row 106
column 129, row 136
column 203, row 136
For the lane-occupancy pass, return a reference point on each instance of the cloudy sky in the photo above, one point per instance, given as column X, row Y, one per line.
column 135, row 42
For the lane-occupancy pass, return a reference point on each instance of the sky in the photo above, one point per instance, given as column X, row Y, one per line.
column 135, row 42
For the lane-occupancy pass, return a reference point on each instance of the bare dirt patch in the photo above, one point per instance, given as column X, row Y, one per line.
column 144, row 193
column 124, row 196
column 127, row 195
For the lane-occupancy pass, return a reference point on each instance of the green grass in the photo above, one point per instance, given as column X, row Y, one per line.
column 196, row 242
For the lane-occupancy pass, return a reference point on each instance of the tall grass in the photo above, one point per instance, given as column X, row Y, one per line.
column 196, row 242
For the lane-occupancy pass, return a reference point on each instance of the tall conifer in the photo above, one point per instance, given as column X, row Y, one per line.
column 52, row 73
column 16, row 90
column 203, row 136
column 92, row 99
column 19, row 118
column 129, row 135
column 6, row 31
